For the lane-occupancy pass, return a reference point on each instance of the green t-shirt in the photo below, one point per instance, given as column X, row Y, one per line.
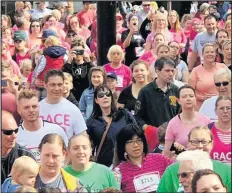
column 170, row 183
column 96, row 178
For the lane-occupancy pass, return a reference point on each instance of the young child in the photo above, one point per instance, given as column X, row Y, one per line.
column 111, row 82
column 68, row 86
column 54, row 56
column 25, row 69
column 24, row 172
column 161, row 136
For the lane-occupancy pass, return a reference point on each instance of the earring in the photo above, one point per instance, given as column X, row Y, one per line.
column 125, row 155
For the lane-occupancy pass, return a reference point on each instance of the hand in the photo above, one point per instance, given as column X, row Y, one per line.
column 39, row 83
column 86, row 57
column 11, row 87
column 179, row 146
column 71, row 56
column 133, row 30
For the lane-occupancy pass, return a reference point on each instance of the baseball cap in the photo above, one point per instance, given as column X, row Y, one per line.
column 48, row 32
column 112, row 75
column 20, row 35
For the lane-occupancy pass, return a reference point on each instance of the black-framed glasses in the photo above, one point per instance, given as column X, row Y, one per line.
column 138, row 142
column 197, row 142
column 184, row 174
column 102, row 94
column 10, row 132
column 218, row 84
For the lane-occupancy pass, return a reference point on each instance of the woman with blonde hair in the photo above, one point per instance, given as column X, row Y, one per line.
column 228, row 27
column 159, row 25
column 115, row 56
column 201, row 77
column 175, row 28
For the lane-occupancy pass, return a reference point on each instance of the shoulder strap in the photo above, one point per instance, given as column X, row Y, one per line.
column 210, row 125
column 103, row 138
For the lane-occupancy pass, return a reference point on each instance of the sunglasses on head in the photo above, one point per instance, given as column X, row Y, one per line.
column 184, row 174
column 218, row 84
column 102, row 94
column 10, row 132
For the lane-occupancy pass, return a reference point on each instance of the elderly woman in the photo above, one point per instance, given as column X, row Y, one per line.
column 132, row 40
column 80, row 152
column 199, row 138
column 222, row 82
column 115, row 56
column 221, row 130
column 175, row 28
column 35, row 33
column 134, row 164
column 106, row 121
column 52, row 153
column 159, row 25
column 201, row 77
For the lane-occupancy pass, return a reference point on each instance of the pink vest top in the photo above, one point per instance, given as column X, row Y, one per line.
column 220, row 151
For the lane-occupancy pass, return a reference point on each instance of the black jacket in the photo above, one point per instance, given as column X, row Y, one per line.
column 72, row 99
column 8, row 161
column 154, row 106
column 79, row 73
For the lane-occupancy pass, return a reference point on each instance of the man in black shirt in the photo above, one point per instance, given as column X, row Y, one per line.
column 157, row 101
column 10, row 149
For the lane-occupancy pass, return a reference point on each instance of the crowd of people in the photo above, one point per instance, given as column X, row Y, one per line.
column 155, row 118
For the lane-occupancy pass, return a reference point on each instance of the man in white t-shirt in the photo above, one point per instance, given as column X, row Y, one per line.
column 56, row 109
column 222, row 81
column 33, row 129
column 201, row 39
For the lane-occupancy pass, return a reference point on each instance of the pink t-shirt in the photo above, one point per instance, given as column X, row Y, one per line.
column 148, row 57
column 123, row 75
column 202, row 81
column 168, row 37
column 177, row 132
column 221, row 145
column 86, row 17
column 178, row 36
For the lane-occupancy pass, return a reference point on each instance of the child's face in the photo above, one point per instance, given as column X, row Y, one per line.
column 26, row 72
column 111, row 83
column 27, row 178
column 7, row 34
column 68, row 85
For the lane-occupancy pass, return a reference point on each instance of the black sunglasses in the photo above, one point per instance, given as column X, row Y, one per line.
column 71, row 35
column 102, row 94
column 184, row 174
column 10, row 132
column 218, row 84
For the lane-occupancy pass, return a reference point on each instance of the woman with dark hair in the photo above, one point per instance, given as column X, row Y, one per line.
column 105, row 122
column 207, row 181
column 138, row 171
column 35, row 31
column 180, row 125
column 221, row 36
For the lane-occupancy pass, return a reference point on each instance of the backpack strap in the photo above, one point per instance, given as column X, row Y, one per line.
column 210, row 125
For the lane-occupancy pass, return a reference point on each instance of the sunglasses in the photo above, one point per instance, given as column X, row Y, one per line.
column 71, row 35
column 10, row 132
column 35, row 26
column 218, row 84
column 102, row 94
column 184, row 174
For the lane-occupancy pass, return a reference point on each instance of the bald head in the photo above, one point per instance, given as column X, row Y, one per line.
column 8, row 120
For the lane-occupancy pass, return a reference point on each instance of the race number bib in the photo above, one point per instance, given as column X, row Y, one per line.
column 139, row 51
column 147, row 182
column 119, row 81
column 36, row 153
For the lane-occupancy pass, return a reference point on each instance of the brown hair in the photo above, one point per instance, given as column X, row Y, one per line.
column 207, row 45
column 94, row 69
column 52, row 138
column 27, row 94
column 222, row 98
column 198, row 128
column 135, row 63
column 25, row 189
column 200, row 173
column 75, row 136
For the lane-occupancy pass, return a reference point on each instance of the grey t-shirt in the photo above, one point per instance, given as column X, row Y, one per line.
column 57, row 183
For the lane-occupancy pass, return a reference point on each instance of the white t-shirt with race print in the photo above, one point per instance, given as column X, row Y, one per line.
column 32, row 139
column 65, row 114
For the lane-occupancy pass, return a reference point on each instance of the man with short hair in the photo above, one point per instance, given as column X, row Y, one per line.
column 143, row 13
column 190, row 162
column 157, row 101
column 10, row 149
column 41, row 10
column 222, row 81
column 32, row 128
column 56, row 109
column 201, row 39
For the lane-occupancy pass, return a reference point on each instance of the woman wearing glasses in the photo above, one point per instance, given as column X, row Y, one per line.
column 34, row 33
column 105, row 119
column 136, row 169
column 199, row 138
column 201, row 77
column 180, row 125
column 221, row 131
